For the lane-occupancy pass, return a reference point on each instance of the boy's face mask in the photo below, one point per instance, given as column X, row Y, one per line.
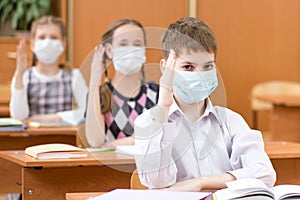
column 48, row 50
column 128, row 59
column 193, row 87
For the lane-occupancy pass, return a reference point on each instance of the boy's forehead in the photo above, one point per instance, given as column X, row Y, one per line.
column 195, row 56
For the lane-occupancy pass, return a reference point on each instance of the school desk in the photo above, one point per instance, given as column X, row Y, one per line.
column 284, row 117
column 34, row 136
column 53, row 178
column 285, row 157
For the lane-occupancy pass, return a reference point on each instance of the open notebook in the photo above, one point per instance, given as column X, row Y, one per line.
column 253, row 189
column 49, row 124
column 121, row 149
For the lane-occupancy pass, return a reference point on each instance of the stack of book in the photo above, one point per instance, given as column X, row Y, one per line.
column 11, row 125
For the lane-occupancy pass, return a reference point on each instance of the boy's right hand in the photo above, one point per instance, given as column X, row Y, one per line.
column 97, row 67
column 165, row 98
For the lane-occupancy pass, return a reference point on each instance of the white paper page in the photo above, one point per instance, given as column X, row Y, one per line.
column 127, row 150
column 49, row 124
column 62, row 155
column 286, row 191
column 121, row 194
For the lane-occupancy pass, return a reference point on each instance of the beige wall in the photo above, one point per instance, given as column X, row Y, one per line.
column 258, row 41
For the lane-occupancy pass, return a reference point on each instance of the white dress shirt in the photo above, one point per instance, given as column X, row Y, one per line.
column 219, row 142
column 19, row 107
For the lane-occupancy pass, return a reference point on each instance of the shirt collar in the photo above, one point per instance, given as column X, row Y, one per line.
column 209, row 109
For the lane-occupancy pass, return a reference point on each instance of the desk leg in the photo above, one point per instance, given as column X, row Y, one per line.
column 287, row 170
column 54, row 183
column 10, row 173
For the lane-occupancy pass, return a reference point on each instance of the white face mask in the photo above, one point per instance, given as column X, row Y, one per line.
column 48, row 50
column 193, row 87
column 128, row 59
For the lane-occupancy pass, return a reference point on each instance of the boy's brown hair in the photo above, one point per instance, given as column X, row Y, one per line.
column 190, row 34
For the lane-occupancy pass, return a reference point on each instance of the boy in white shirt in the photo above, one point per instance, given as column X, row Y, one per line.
column 186, row 143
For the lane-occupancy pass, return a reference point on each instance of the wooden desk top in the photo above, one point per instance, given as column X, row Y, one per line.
column 274, row 149
column 72, row 130
column 98, row 158
column 282, row 149
column 287, row 100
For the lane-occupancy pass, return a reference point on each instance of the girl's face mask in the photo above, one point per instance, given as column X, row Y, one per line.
column 128, row 59
column 48, row 50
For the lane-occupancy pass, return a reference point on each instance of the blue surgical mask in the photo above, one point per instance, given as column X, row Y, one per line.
column 193, row 87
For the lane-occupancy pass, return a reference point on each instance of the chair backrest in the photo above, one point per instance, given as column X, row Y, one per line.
column 135, row 182
column 276, row 87
column 272, row 88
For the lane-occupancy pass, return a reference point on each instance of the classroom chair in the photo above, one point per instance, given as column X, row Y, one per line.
column 4, row 100
column 275, row 87
column 135, row 182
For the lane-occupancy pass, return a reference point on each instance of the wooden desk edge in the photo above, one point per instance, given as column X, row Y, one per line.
column 104, row 158
column 282, row 149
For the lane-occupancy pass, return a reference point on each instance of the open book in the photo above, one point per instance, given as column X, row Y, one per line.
column 121, row 149
column 57, row 150
column 251, row 188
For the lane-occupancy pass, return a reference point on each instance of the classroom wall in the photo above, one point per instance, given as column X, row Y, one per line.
column 258, row 40
column 90, row 20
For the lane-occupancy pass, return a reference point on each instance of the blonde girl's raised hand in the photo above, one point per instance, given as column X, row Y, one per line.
column 97, row 67
column 165, row 98
column 94, row 125
column 22, row 63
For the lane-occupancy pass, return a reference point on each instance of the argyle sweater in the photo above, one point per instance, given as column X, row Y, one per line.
column 119, row 120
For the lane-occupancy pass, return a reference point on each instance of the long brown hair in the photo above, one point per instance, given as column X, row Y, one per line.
column 107, row 37
column 49, row 19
